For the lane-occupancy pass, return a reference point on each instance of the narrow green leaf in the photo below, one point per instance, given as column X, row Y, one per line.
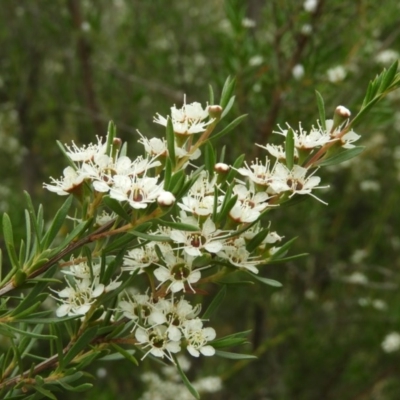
column 237, row 164
column 234, row 356
column 229, row 127
column 57, row 223
column 80, row 388
column 115, row 206
column 285, row 259
column 111, row 133
column 167, row 174
column 29, row 333
column 45, row 392
column 209, row 157
column 79, row 228
column 227, row 92
column 81, row 342
column 210, row 95
column 171, row 141
column 126, row 353
column 149, row 237
column 342, row 156
column 321, row 110
column 216, row 302
column 388, row 77
column 283, row 249
column 289, row 149
column 186, row 381
column 178, row 225
column 119, row 243
column 257, row 240
column 266, row 281
column 228, row 106
column 9, row 240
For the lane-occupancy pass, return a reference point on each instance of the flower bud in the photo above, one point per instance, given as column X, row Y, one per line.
column 166, row 199
column 221, row 168
column 340, row 115
column 214, row 111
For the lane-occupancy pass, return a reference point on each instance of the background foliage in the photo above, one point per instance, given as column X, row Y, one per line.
column 67, row 67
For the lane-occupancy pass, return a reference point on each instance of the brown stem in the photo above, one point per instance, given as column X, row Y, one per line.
column 83, row 50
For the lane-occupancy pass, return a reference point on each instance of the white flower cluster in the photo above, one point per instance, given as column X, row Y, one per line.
column 163, row 325
column 213, row 227
column 169, row 387
column 83, row 289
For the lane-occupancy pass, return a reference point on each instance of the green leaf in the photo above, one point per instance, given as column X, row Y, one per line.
column 125, row 353
column 321, row 110
column 209, row 157
column 186, row 381
column 234, row 356
column 228, row 106
column 229, row 127
column 115, row 206
column 237, row 164
column 111, row 133
column 285, row 259
column 57, row 223
column 227, row 91
column 210, row 95
column 45, row 392
column 283, row 250
column 257, row 240
column 149, row 237
column 9, row 240
column 216, row 302
column 167, row 173
column 388, row 77
column 171, row 141
column 178, row 225
column 342, row 156
column 80, row 344
column 122, row 241
column 289, row 149
column 266, row 281
column 24, row 332
column 79, row 228
column 79, row 388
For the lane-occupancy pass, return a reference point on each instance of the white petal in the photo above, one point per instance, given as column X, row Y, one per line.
column 207, row 350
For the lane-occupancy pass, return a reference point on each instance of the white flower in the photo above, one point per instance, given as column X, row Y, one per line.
column 82, row 270
column 295, row 180
column 138, row 192
column 391, row 342
column 208, row 238
column 85, row 153
column 178, row 271
column 139, row 306
column 158, row 342
column 198, row 337
column 77, row 300
column 256, row 60
column 248, row 23
column 236, row 254
column 336, row 74
column 187, row 120
column 310, row 5
column 298, row 71
column 347, row 139
column 305, row 140
column 154, row 147
column 357, row 278
column 64, row 186
column 387, row 56
column 258, row 172
column 141, row 257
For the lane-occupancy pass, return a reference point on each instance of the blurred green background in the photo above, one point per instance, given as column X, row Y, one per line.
column 67, row 67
